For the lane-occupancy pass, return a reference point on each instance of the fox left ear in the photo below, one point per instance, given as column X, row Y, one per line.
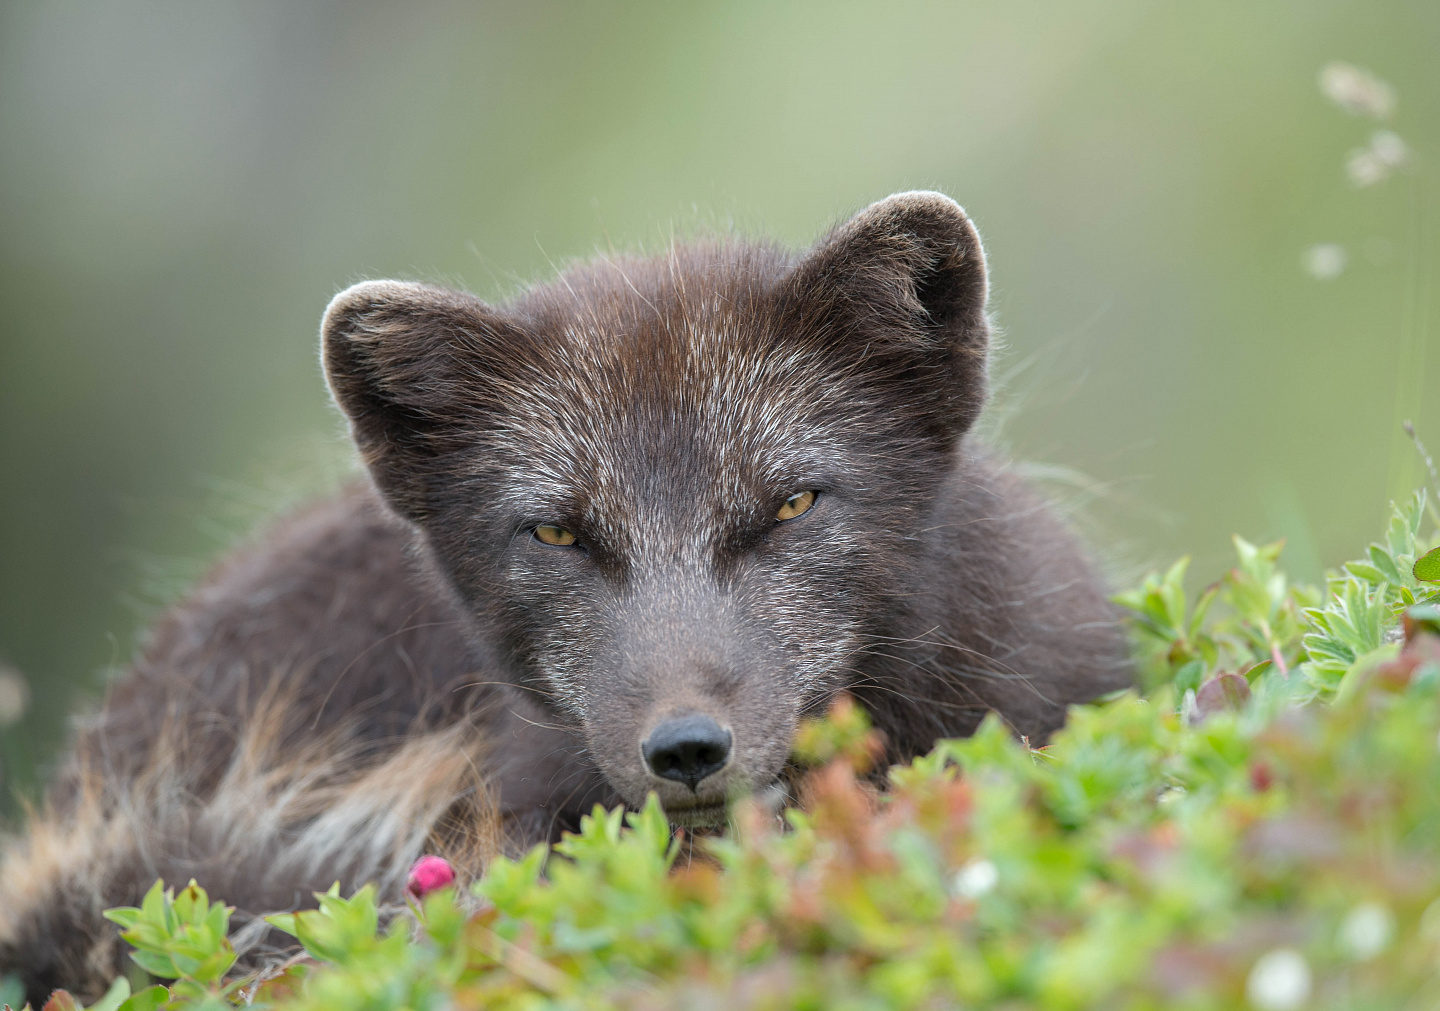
column 412, row 366
column 905, row 280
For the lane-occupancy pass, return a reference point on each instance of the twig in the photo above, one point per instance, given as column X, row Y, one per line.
column 1434, row 505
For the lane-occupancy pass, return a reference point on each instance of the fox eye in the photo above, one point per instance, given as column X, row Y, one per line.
column 555, row 536
column 797, row 505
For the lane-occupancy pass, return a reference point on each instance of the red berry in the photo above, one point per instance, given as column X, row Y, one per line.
column 429, row 874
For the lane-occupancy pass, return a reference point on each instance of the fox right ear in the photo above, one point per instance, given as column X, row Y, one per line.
column 906, row 274
column 403, row 362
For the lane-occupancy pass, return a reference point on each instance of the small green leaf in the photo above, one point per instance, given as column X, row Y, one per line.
column 1366, row 571
column 1253, row 674
column 156, row 965
column 1385, row 563
column 1427, row 567
column 114, row 997
column 126, row 916
column 1190, row 676
column 148, row 999
column 153, row 906
column 1202, row 607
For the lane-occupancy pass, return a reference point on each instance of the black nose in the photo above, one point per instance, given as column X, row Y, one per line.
column 687, row 749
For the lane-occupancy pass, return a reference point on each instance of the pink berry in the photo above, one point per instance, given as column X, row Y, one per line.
column 428, row 874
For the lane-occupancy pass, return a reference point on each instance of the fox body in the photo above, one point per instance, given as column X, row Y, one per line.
column 620, row 535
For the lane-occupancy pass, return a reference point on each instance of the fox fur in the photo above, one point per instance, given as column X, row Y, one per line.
column 408, row 667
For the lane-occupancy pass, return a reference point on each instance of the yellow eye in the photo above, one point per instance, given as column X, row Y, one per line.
column 557, row 536
column 796, row 505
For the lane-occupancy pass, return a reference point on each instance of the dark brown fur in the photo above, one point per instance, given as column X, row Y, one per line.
column 388, row 673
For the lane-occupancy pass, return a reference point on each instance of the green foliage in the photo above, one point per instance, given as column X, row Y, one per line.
column 1294, row 640
column 176, row 937
column 1364, row 603
column 1260, row 828
column 342, row 930
column 181, row 938
column 1250, row 619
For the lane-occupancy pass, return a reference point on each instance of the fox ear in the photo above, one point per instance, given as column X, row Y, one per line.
column 905, row 279
column 403, row 362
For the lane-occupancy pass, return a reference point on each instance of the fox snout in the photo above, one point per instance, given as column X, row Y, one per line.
column 683, row 705
column 687, row 749
column 692, row 764
column 694, row 753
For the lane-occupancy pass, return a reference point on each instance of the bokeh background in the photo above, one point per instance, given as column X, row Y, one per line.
column 1219, row 308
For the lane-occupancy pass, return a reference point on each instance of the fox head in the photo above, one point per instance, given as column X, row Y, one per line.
column 683, row 495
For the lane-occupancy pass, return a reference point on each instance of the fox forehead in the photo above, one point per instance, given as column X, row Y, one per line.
column 605, row 439
column 672, row 392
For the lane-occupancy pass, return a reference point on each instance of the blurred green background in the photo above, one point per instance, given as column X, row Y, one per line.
column 182, row 187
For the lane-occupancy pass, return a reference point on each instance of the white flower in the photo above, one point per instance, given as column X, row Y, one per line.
column 1325, row 261
column 975, row 879
column 1389, row 148
column 1367, row 930
column 1356, row 90
column 1280, row 980
column 1375, row 163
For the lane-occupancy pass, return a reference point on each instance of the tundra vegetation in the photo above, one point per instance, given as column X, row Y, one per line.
column 1257, row 825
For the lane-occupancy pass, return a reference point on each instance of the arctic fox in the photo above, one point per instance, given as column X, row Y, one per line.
column 619, row 536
